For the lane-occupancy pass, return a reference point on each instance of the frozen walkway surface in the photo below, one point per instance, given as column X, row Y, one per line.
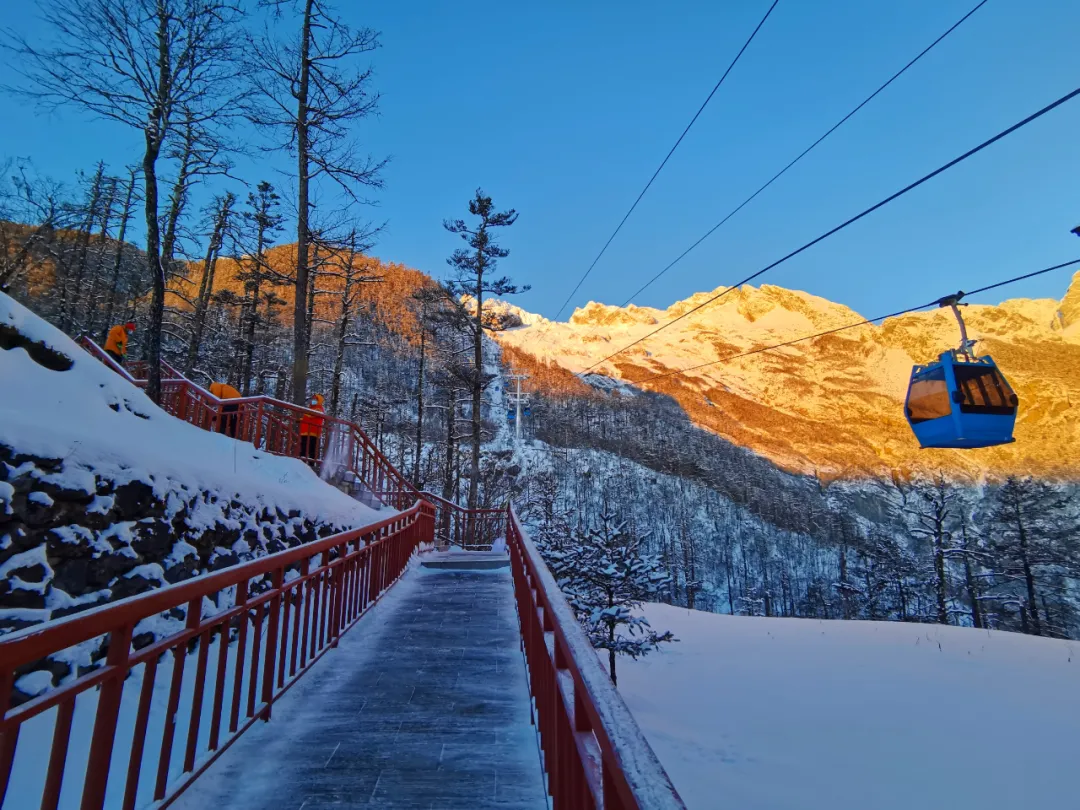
column 424, row 705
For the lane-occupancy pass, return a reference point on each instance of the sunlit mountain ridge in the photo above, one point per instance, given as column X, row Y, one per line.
column 833, row 405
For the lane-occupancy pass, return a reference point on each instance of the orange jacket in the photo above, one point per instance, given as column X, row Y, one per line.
column 117, row 340
column 312, row 425
column 223, row 390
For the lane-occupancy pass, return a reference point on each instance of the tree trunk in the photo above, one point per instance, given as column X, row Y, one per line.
column 730, row 580
column 313, row 279
column 177, row 200
column 69, row 296
column 969, row 581
column 1029, row 576
column 477, row 387
column 451, row 451
column 253, row 313
column 420, row 398
column 343, row 331
column 206, row 284
column 95, row 280
column 300, row 354
column 155, row 132
column 939, row 571
column 611, row 655
column 118, row 256
column 157, row 272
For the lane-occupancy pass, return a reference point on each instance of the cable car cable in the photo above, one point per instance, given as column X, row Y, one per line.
column 663, row 163
column 803, row 154
column 865, row 322
column 896, row 195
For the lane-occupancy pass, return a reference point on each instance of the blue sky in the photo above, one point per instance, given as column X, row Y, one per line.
column 562, row 110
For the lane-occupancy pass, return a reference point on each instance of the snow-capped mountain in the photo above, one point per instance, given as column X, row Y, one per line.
column 832, row 405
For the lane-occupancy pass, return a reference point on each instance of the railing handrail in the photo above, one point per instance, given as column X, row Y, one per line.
column 273, row 627
column 33, row 643
column 98, row 352
column 441, row 501
column 637, row 776
column 90, row 345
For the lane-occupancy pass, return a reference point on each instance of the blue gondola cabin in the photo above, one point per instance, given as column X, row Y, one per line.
column 960, row 403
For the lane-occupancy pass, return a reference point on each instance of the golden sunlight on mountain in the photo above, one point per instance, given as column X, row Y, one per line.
column 834, row 405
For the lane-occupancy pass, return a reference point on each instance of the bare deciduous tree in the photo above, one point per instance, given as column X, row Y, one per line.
column 307, row 97
column 149, row 65
column 31, row 209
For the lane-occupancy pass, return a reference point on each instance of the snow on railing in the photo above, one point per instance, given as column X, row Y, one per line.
column 594, row 753
column 273, row 618
column 104, row 357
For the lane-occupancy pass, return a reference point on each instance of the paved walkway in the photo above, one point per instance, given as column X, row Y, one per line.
column 423, row 705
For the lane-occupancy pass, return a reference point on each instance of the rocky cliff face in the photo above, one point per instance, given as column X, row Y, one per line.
column 834, row 405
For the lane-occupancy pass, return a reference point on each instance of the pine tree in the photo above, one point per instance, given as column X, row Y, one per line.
column 465, row 292
column 550, row 521
column 609, row 578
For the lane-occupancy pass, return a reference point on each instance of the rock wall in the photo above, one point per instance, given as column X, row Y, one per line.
column 72, row 539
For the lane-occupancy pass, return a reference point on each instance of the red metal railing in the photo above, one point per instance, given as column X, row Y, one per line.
column 275, row 426
column 273, row 618
column 594, row 753
column 471, row 530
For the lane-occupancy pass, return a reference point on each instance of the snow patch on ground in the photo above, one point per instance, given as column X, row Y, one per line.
column 797, row 714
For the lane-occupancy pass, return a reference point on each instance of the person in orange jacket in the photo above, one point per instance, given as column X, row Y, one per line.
column 117, row 340
column 310, row 430
column 229, row 412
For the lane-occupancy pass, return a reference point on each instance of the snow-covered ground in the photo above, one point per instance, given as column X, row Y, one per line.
column 95, row 420
column 794, row 714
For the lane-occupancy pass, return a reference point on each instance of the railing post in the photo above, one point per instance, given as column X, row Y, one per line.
column 257, row 437
column 183, row 395
column 108, row 710
column 269, row 664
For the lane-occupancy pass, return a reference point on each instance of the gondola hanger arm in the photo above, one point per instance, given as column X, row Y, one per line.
column 967, row 346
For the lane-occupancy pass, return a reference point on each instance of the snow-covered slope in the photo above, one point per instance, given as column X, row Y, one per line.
column 796, row 714
column 834, row 404
column 94, row 419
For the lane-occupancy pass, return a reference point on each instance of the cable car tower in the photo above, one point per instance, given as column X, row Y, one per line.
column 520, row 401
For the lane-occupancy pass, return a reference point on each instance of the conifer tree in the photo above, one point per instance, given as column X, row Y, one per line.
column 473, row 280
column 261, row 223
column 609, row 576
